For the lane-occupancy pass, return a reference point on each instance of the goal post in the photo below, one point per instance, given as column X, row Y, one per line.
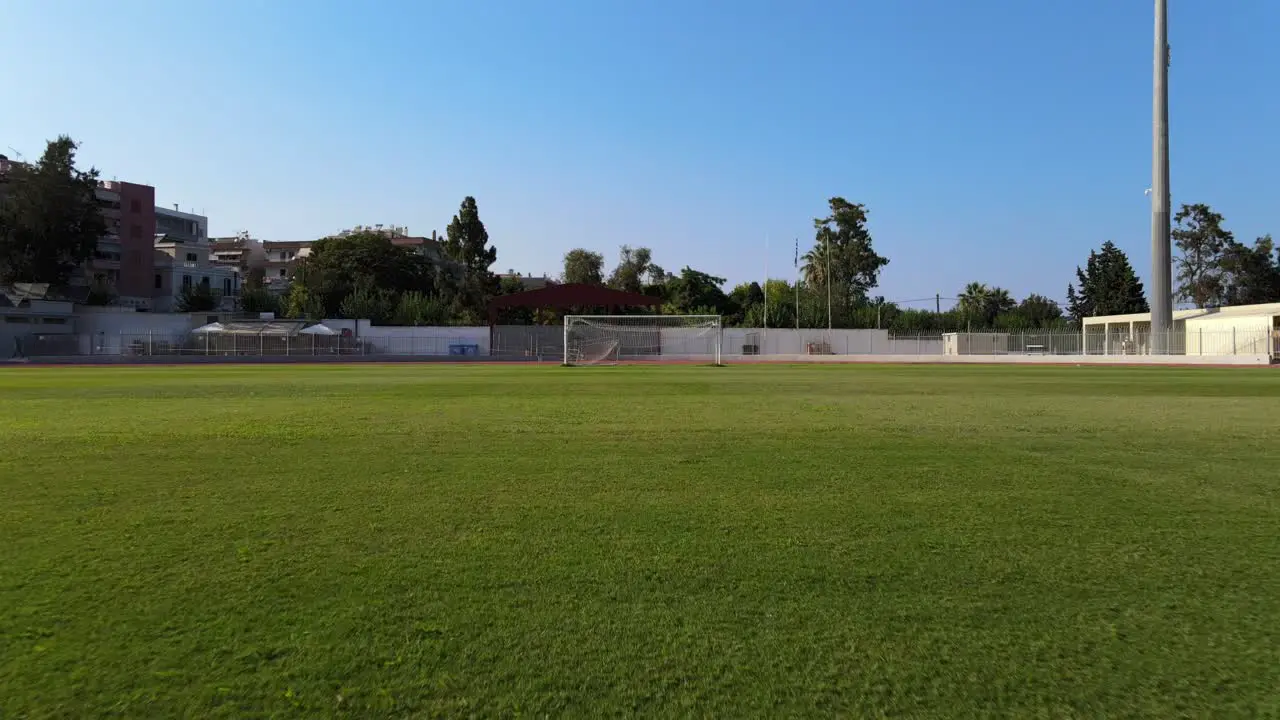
column 609, row 339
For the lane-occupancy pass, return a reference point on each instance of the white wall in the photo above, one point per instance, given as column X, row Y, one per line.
column 104, row 333
column 1214, row 335
column 392, row 340
column 789, row 341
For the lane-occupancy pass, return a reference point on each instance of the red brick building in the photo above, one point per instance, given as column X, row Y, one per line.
column 125, row 258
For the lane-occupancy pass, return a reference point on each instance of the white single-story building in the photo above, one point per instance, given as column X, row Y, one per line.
column 1236, row 330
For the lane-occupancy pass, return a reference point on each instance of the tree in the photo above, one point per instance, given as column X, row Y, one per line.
column 337, row 266
column 982, row 305
column 255, row 278
column 260, row 300
column 377, row 305
column 419, row 309
column 747, row 294
column 1201, row 240
column 1039, row 312
column 467, row 243
column 304, row 304
column 633, row 265
column 1107, row 286
column 697, row 291
column 843, row 241
column 197, row 298
column 973, row 302
column 50, row 222
column 584, row 267
column 1249, row 274
column 100, row 292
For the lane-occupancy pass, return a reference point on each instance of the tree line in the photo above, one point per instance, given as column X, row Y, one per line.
column 50, row 223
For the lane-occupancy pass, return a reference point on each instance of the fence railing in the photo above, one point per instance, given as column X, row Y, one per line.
column 545, row 343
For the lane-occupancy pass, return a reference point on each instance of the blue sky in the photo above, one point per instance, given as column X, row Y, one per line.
column 993, row 140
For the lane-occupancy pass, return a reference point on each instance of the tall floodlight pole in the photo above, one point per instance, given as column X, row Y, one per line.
column 1161, row 255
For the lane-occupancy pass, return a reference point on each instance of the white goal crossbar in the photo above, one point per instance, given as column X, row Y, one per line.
column 608, row 339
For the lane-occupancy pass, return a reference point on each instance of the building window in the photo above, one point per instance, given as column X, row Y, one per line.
column 192, row 257
column 17, row 319
column 135, row 205
column 159, row 282
column 55, row 321
column 186, row 282
column 204, row 282
column 281, row 272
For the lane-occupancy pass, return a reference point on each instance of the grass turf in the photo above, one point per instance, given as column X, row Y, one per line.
column 743, row 541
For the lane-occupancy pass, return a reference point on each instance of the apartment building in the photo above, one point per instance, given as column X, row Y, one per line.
column 281, row 257
column 182, row 225
column 123, row 262
column 181, row 264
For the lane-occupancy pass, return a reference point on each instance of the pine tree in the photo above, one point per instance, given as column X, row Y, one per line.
column 1106, row 286
column 1201, row 241
column 467, row 243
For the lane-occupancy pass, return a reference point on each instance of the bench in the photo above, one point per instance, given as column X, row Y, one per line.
column 1035, row 350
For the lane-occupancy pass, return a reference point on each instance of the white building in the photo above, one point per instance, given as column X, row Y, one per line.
column 182, row 225
column 182, row 265
column 1238, row 330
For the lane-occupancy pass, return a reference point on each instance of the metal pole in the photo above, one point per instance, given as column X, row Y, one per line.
column 1161, row 254
column 797, row 302
column 827, row 238
column 766, row 281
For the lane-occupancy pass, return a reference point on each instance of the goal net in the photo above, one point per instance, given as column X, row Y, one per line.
column 605, row 339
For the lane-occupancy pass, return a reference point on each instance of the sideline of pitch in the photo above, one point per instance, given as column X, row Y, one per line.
column 1178, row 360
column 1058, row 360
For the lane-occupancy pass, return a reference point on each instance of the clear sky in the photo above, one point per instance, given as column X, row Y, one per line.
column 992, row 140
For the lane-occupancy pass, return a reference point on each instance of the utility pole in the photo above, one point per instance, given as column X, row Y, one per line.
column 1161, row 254
column 937, row 303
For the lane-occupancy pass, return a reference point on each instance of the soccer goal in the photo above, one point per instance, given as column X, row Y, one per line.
column 607, row 339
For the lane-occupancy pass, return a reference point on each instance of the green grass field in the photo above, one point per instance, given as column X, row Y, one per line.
column 731, row 542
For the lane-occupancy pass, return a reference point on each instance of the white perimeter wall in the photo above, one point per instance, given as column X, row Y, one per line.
column 1211, row 335
column 104, row 333
column 784, row 341
column 393, row 340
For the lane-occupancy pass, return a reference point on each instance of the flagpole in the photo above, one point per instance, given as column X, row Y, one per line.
column 797, row 264
column 766, row 281
column 827, row 238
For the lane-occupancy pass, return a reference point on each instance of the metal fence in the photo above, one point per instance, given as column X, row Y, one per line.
column 545, row 344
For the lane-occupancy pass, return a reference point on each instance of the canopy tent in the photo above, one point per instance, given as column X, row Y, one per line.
column 268, row 328
column 318, row 329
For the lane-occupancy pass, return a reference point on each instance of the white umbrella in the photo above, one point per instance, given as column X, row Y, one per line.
column 212, row 327
column 318, row 329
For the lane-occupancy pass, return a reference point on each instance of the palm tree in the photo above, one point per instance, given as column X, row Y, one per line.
column 974, row 301
column 1000, row 301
